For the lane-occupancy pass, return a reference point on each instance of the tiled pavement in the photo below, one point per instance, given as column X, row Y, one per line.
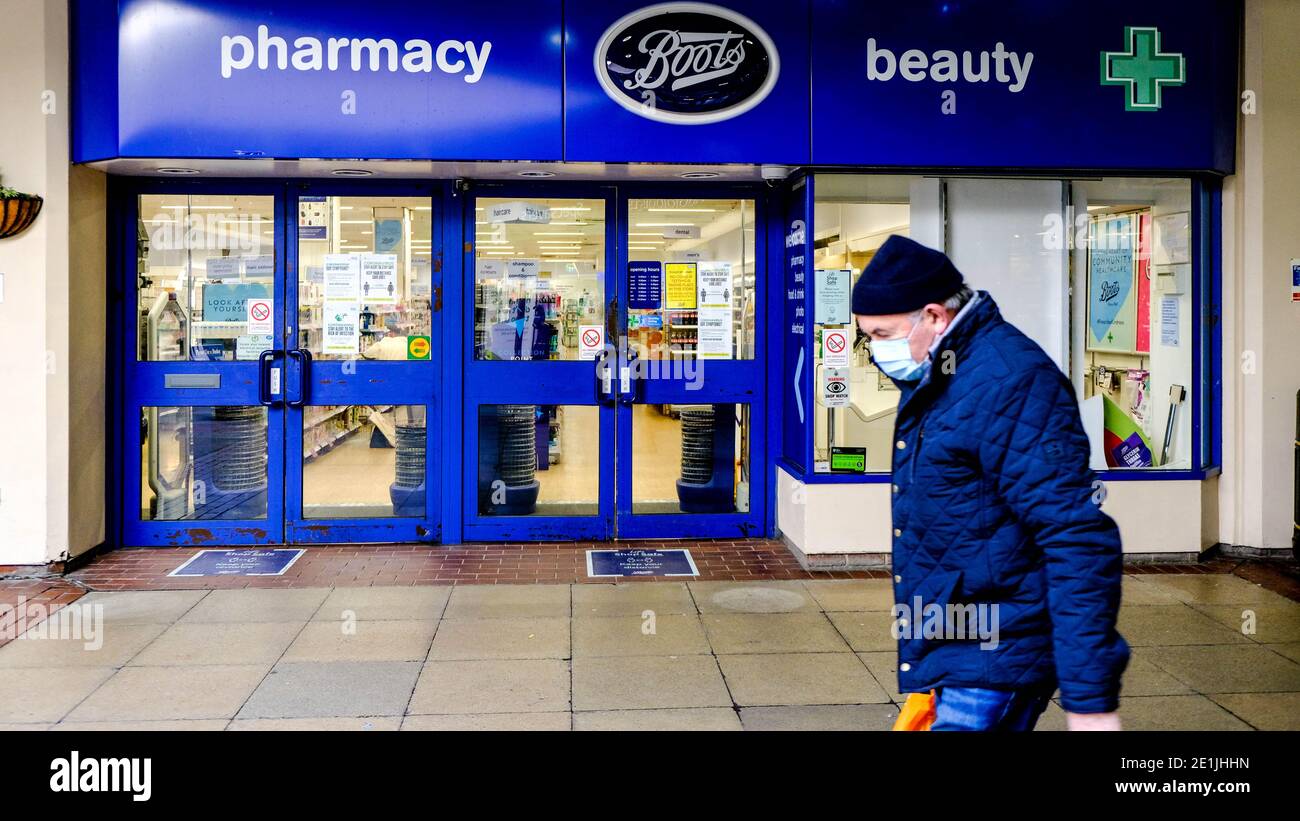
column 547, row 563
column 700, row 655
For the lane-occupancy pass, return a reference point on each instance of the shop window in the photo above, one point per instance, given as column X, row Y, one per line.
column 854, row 215
column 385, row 245
column 1133, row 320
column 539, row 274
column 1100, row 273
column 199, row 260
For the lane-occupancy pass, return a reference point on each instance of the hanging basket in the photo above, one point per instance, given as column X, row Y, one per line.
column 17, row 214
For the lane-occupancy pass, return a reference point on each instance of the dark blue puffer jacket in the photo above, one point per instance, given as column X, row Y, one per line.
column 993, row 505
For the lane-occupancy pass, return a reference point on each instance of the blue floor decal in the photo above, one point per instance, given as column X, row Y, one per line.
column 239, row 563
column 640, row 563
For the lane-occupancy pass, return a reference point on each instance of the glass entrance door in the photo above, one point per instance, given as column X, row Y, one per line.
column 203, row 420
column 361, row 372
column 690, row 410
column 614, row 381
column 539, row 387
column 283, row 378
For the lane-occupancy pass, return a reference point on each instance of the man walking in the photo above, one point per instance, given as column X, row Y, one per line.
column 993, row 507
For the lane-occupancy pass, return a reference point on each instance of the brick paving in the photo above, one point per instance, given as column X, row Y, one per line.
column 545, row 563
column 367, row 565
column 30, row 601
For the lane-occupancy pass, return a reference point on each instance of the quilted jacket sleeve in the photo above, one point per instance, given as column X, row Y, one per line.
column 1036, row 453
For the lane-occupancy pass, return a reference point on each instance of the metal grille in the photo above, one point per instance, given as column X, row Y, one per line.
column 518, row 443
column 238, row 448
column 697, row 445
column 410, row 455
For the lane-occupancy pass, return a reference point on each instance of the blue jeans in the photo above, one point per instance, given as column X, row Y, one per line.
column 975, row 709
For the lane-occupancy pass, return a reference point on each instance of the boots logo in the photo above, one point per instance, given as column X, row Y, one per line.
column 686, row 63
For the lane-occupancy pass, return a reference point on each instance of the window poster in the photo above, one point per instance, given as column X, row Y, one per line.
column 388, row 234
column 679, row 284
column 715, row 309
column 313, row 218
column 834, row 288
column 1112, row 290
column 645, row 285
column 340, row 326
column 341, row 312
column 379, row 279
column 342, row 277
column 1173, row 239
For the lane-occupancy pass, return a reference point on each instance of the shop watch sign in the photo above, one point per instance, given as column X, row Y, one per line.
column 686, row 63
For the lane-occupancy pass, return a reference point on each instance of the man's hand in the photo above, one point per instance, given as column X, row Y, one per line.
column 1092, row 721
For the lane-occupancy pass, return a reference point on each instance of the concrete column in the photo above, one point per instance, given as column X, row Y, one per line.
column 52, row 316
column 1261, row 325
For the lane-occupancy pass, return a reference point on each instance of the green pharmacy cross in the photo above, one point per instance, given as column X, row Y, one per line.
column 1144, row 69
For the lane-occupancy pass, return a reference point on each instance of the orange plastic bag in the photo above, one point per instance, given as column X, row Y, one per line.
column 917, row 713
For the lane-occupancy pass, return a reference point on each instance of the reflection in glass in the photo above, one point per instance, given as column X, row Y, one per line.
column 690, row 459
column 539, row 268
column 539, row 460
column 363, row 461
column 364, row 276
column 203, row 463
column 200, row 259
column 691, row 278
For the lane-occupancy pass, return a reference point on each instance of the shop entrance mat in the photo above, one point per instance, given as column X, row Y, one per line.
column 247, row 562
column 607, row 563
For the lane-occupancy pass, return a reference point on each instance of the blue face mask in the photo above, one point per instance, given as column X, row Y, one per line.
column 894, row 357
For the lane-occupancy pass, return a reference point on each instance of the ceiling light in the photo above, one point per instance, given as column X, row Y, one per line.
column 699, row 175
column 177, row 171
column 536, row 174
column 352, row 172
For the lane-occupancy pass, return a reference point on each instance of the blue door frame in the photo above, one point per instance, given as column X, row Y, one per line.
column 569, row 383
column 451, row 385
column 145, row 385
column 531, row 383
column 364, row 382
column 142, row 385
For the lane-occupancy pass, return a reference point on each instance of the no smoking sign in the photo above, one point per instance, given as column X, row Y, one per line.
column 591, row 341
column 260, row 321
column 835, row 348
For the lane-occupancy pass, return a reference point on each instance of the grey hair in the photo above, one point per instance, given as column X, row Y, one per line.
column 958, row 300
column 953, row 303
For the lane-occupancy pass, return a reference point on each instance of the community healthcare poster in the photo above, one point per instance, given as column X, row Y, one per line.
column 1112, row 303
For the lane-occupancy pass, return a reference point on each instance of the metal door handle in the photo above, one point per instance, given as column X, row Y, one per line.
column 626, row 383
column 604, row 378
column 303, row 357
column 264, row 361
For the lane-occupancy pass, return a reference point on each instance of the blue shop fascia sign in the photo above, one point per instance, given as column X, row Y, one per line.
column 1016, row 84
